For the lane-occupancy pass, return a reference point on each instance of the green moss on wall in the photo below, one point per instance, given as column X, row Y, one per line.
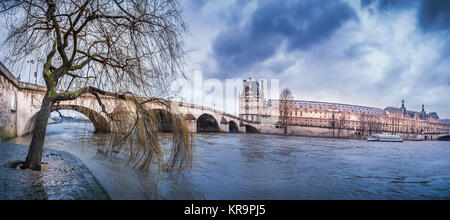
column 7, row 134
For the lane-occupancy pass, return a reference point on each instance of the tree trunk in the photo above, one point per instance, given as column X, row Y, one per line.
column 285, row 122
column 35, row 151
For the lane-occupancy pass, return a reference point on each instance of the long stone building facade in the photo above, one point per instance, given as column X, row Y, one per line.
column 324, row 119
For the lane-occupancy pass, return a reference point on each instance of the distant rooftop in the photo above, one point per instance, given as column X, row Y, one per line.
column 444, row 121
column 340, row 106
column 412, row 113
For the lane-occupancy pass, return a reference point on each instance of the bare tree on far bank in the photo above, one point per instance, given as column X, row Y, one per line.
column 127, row 49
column 285, row 108
column 341, row 123
column 363, row 120
column 373, row 124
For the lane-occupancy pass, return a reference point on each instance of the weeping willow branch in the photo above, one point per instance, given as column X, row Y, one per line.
column 136, row 127
column 137, row 133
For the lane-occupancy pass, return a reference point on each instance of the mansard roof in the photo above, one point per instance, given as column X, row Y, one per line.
column 433, row 115
column 411, row 114
column 315, row 105
column 444, row 121
column 408, row 112
column 393, row 109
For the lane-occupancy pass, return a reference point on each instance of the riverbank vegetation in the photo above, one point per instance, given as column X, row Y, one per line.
column 6, row 135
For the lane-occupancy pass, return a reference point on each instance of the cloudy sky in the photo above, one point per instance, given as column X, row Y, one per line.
column 363, row 52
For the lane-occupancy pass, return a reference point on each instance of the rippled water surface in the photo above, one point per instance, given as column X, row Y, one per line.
column 250, row 166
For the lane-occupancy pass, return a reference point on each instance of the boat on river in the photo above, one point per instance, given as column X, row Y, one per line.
column 385, row 138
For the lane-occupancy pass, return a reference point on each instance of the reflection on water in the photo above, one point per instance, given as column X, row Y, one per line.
column 244, row 166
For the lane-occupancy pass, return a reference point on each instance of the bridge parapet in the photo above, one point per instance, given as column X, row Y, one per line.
column 215, row 111
column 19, row 84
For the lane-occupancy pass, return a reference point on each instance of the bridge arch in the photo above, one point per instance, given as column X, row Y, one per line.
column 207, row 123
column 233, row 127
column 164, row 118
column 100, row 123
column 251, row 129
column 444, row 138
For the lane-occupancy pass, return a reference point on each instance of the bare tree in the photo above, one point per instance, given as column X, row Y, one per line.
column 395, row 124
column 124, row 49
column 341, row 123
column 363, row 120
column 374, row 123
column 378, row 124
column 286, row 98
column 333, row 123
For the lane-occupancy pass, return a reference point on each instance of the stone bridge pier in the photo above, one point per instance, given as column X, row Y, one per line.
column 444, row 137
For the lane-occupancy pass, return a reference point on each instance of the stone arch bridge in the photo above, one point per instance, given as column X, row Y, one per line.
column 20, row 102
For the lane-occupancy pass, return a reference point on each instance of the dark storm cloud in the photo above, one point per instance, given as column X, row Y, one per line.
column 432, row 15
column 389, row 4
column 231, row 16
column 301, row 24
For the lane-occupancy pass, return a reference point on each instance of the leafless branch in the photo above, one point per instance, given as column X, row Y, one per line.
column 128, row 49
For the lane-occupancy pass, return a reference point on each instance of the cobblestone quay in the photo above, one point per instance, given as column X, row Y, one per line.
column 65, row 177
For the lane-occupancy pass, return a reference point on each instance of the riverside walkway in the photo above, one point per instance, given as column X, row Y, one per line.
column 65, row 177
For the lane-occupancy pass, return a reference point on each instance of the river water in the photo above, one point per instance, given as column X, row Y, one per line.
column 254, row 166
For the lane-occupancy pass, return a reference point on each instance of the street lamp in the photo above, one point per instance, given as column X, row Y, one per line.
column 31, row 62
column 29, row 71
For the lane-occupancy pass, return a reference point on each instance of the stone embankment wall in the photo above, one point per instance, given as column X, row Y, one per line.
column 8, row 105
column 19, row 101
column 309, row 131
